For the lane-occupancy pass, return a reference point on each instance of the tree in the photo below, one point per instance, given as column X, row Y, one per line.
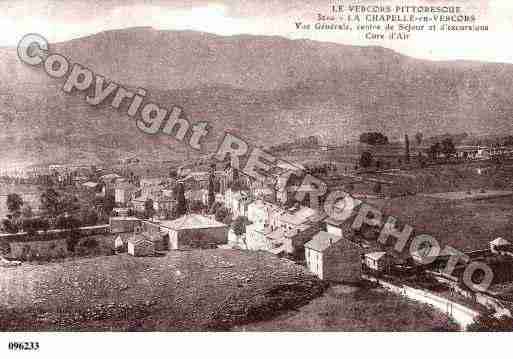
column 508, row 141
column 173, row 173
column 213, row 209
column 406, row 148
column 9, row 226
column 419, row 137
column 149, row 211
column 71, row 224
column 373, row 138
column 179, row 194
column 222, row 214
column 50, row 202
column 32, row 225
column 14, row 202
column 89, row 217
column 68, row 204
column 448, row 147
column 26, row 211
column 109, row 203
column 67, row 222
column 366, row 159
column 211, row 189
column 239, row 228
column 196, row 206
column 239, row 225
column 485, row 323
column 435, row 150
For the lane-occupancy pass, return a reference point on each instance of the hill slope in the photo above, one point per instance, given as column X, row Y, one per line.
column 271, row 88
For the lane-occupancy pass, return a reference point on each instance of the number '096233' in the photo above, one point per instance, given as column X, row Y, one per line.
column 23, row 346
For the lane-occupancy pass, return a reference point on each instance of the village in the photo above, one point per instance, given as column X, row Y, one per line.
column 203, row 205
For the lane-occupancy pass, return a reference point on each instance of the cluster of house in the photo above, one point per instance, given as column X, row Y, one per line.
column 295, row 231
column 145, row 237
column 283, row 228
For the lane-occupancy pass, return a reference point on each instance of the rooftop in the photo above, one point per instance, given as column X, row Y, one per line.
column 301, row 216
column 500, row 242
column 139, row 239
column 192, row 221
column 276, row 235
column 322, row 241
column 110, row 176
column 376, row 255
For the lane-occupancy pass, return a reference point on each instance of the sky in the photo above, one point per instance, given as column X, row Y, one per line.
column 60, row 20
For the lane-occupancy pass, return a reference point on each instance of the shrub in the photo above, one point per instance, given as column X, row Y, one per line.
column 485, row 323
column 32, row 225
column 9, row 226
column 90, row 243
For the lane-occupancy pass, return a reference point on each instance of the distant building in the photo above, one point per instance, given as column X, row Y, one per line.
column 237, row 202
column 196, row 180
column 257, row 238
column 119, row 244
column 120, row 212
column 110, row 181
column 160, row 203
column 295, row 217
column 195, row 231
column 123, row 193
column 262, row 214
column 281, row 231
column 333, row 258
column 93, row 186
column 151, row 186
column 123, row 224
column 152, row 231
column 337, row 227
column 377, row 261
column 500, row 245
column 140, row 246
column 200, row 195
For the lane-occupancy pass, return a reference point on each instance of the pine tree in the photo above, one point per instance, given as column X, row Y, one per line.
column 211, row 189
column 407, row 148
column 179, row 193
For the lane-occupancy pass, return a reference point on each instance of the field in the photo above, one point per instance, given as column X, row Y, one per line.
column 463, row 205
column 351, row 308
column 195, row 290
column 465, row 224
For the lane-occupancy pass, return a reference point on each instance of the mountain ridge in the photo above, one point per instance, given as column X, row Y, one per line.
column 271, row 88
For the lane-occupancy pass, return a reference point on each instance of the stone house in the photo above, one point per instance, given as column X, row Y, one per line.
column 195, row 231
column 333, row 258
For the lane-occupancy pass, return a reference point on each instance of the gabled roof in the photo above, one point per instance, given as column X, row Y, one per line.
column 138, row 239
column 192, row 221
column 125, row 185
column 322, row 241
column 110, row 176
column 151, row 180
column 301, row 216
column 376, row 255
column 276, row 235
column 500, row 242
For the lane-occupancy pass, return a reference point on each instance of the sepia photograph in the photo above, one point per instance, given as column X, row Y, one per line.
column 262, row 166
